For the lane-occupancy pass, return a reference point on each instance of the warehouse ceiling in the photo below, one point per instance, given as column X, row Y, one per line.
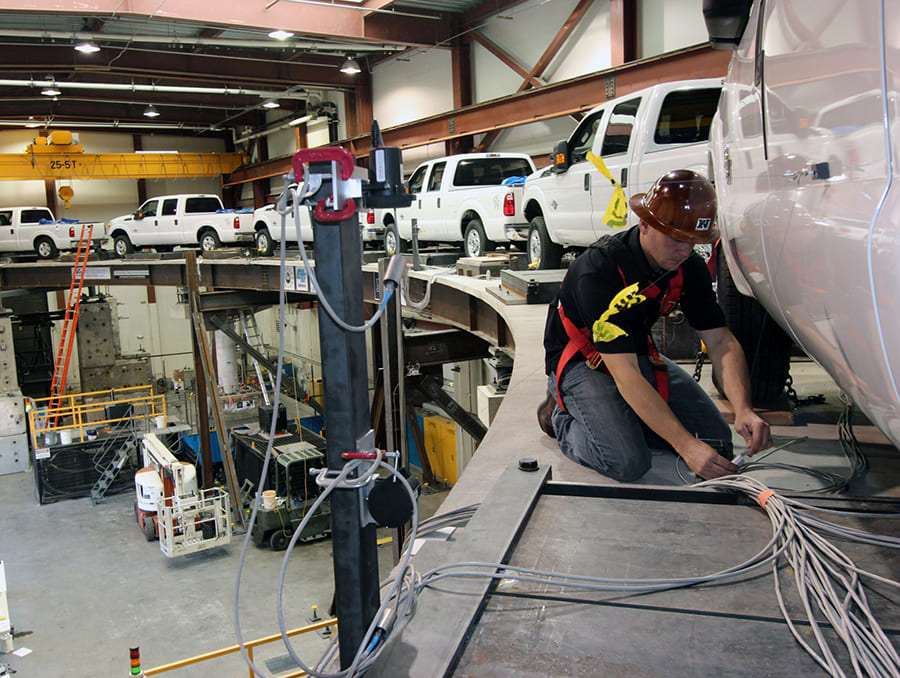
column 203, row 76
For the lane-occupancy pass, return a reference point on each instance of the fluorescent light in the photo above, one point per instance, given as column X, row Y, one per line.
column 87, row 47
column 301, row 120
column 350, row 66
column 281, row 35
column 32, row 123
column 151, row 111
column 271, row 103
column 50, row 91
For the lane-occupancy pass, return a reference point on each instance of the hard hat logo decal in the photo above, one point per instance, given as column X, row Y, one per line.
column 703, row 224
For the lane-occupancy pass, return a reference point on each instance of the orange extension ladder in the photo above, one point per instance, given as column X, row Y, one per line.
column 70, row 323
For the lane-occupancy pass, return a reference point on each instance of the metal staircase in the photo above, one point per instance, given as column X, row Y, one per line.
column 250, row 331
column 111, row 457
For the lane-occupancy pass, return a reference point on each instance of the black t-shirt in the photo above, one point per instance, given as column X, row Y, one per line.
column 594, row 279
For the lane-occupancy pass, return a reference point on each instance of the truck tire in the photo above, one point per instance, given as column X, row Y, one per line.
column 122, row 245
column 209, row 241
column 264, row 245
column 475, row 242
column 766, row 346
column 543, row 253
column 45, row 248
column 392, row 242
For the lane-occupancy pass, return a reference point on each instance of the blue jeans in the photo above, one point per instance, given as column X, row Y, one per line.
column 602, row 432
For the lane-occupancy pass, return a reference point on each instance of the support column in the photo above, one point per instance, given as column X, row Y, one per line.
column 337, row 255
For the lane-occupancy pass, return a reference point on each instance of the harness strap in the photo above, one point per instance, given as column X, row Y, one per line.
column 580, row 337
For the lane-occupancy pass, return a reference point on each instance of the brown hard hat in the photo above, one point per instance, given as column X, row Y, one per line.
column 681, row 204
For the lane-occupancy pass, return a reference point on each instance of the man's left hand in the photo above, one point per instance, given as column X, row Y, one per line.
column 754, row 430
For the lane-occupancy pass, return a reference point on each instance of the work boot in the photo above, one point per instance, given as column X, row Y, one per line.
column 545, row 415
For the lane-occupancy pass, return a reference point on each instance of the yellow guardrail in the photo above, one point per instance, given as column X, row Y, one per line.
column 232, row 649
column 75, row 414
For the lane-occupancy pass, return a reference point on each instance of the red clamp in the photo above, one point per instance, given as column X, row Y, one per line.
column 359, row 455
column 336, row 154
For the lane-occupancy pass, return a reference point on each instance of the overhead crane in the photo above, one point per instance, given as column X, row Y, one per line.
column 56, row 157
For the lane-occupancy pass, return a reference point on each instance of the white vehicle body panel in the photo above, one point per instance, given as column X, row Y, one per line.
column 168, row 220
column 637, row 146
column 20, row 230
column 804, row 149
column 442, row 208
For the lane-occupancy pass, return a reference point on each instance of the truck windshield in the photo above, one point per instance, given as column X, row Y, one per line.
column 197, row 205
column 685, row 117
column 489, row 171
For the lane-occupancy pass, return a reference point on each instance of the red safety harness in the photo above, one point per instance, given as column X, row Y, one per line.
column 580, row 337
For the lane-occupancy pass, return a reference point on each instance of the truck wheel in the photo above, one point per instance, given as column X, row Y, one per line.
column 122, row 245
column 543, row 253
column 475, row 243
column 392, row 243
column 766, row 346
column 209, row 241
column 45, row 248
column 278, row 541
column 264, row 245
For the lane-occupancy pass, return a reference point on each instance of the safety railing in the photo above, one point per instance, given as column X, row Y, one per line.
column 234, row 649
column 80, row 416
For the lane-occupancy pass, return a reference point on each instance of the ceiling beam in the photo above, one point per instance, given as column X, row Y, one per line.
column 333, row 22
column 551, row 101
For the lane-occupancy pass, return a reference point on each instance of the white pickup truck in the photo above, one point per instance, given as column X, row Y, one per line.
column 23, row 229
column 187, row 219
column 267, row 227
column 640, row 137
column 464, row 198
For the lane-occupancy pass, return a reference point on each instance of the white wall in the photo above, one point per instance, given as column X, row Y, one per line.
column 667, row 25
column 413, row 86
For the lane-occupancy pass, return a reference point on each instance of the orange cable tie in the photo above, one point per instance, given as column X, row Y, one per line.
column 764, row 497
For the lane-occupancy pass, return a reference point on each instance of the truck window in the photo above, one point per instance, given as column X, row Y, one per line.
column 5, row 217
column 417, row 179
column 168, row 207
column 148, row 209
column 34, row 216
column 619, row 128
column 685, row 117
column 198, row 205
column 582, row 140
column 489, row 171
column 437, row 175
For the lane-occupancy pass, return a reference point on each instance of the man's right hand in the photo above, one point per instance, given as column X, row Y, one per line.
column 705, row 461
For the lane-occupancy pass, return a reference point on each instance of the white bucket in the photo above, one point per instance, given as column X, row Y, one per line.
column 269, row 499
column 160, row 421
column 65, row 437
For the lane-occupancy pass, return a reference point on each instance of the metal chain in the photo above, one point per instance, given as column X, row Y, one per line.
column 698, row 367
column 794, row 398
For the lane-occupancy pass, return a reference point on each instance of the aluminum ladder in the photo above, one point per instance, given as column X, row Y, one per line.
column 250, row 330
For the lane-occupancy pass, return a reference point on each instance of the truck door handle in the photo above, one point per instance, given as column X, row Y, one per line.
column 587, row 182
column 439, row 203
column 624, row 181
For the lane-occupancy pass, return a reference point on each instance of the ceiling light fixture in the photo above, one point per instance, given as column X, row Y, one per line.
column 50, row 91
column 151, row 112
column 301, row 120
column 271, row 103
column 281, row 35
column 350, row 66
column 87, row 47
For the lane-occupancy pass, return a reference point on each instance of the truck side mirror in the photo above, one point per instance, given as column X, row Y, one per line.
column 560, row 157
column 138, row 215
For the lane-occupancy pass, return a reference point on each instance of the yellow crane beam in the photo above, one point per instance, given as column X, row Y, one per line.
column 47, row 164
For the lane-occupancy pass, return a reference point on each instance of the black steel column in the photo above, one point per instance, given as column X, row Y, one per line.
column 337, row 255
